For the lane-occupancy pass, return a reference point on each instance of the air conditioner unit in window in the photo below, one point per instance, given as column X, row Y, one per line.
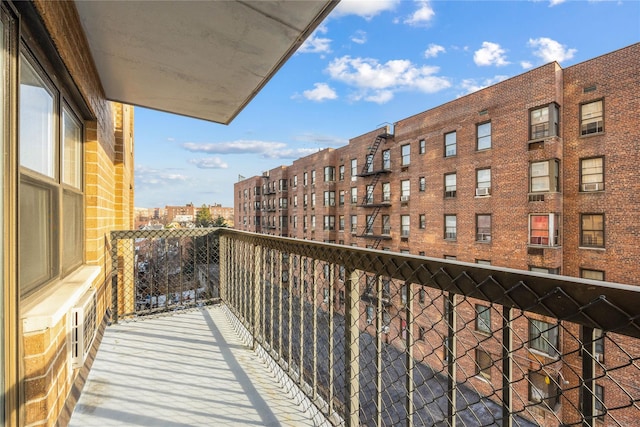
column 482, row 191
column 83, row 326
column 592, row 186
column 404, row 198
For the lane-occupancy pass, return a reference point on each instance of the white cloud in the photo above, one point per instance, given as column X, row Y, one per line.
column 378, row 82
column 433, row 50
column 268, row 149
column 145, row 176
column 209, row 163
column 316, row 44
column 550, row 50
column 321, row 92
column 359, row 37
column 366, row 9
column 321, row 140
column 490, row 54
column 422, row 15
column 526, row 64
column 555, row 2
column 473, row 85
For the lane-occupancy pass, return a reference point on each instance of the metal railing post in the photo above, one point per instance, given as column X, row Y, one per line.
column 114, row 279
column 507, row 366
column 257, row 294
column 451, row 359
column 223, row 262
column 588, row 384
column 379, row 347
column 352, row 349
column 314, row 330
column 409, row 355
column 332, row 301
column 303, row 295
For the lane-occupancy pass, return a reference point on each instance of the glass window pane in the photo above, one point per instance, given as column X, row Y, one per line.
column 72, row 162
column 72, row 229
column 36, row 236
column 37, row 148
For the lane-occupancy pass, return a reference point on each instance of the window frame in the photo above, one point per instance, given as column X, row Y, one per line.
column 480, row 235
column 450, row 190
column 553, row 230
column 405, row 157
column 405, row 225
column 422, row 146
column 544, row 338
column 552, row 123
column 451, row 235
column 594, row 230
column 597, row 185
column 422, row 221
column 422, row 184
column 483, row 372
column 481, row 138
column 483, row 325
column 480, row 185
column 448, row 144
column 599, row 129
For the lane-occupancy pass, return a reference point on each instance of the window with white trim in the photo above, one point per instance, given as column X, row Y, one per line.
column 544, row 121
column 483, row 228
column 450, row 227
column 404, row 225
column 543, row 336
column 405, row 155
column 483, row 134
column 591, row 117
column 450, row 185
column 592, row 230
column 592, row 174
column 544, row 176
column 405, row 190
column 483, row 182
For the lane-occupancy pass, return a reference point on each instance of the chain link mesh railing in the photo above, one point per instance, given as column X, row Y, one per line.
column 380, row 338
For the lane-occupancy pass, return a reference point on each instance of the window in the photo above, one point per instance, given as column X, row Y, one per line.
column 450, row 144
column 543, row 337
column 354, row 195
column 543, row 389
column 341, row 173
column 483, row 318
column 354, row 169
column 369, row 194
column 304, row 200
column 386, row 159
column 450, row 185
column 422, row 294
column 313, row 177
column 304, row 222
column 295, row 222
column 404, row 294
column 483, row 364
column 369, row 224
column 329, row 198
column 369, row 163
column 341, row 222
column 544, row 122
column 423, row 221
column 404, row 225
column 405, row 190
column 422, row 146
column 386, row 225
column 329, row 173
column 304, row 178
column 600, row 408
column 329, row 222
column 295, row 180
column 386, row 192
column 484, row 136
column 592, row 174
column 543, row 229
column 483, row 261
column 591, row 274
column 386, row 321
column 544, row 176
column 544, row 270
column 592, row 230
column 405, row 155
column 422, row 183
column 354, row 223
column 483, row 182
column 50, row 187
column 483, row 228
column 313, row 222
column 341, row 198
column 325, row 295
column 450, row 223
column 313, row 200
column 591, row 118
column 447, row 350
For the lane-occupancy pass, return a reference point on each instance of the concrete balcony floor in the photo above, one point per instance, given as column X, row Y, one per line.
column 185, row 369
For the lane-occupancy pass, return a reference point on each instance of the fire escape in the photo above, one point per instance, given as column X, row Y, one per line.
column 368, row 201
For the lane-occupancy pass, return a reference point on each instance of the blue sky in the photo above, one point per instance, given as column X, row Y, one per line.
column 369, row 63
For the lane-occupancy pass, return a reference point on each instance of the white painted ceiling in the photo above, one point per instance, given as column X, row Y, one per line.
column 203, row 59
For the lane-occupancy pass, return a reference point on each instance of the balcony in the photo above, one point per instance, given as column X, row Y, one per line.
column 361, row 337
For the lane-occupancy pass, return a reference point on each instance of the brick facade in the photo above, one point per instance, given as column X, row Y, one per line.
column 535, row 216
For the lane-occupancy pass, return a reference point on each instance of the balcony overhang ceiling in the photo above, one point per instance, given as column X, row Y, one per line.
column 203, row 59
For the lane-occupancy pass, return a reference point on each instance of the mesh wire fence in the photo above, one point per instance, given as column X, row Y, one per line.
column 379, row 338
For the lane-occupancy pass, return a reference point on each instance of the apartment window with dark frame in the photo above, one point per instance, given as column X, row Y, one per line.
column 587, row 273
column 592, row 174
column 329, row 198
column 354, row 169
column 450, row 227
column 483, row 318
column 50, row 185
column 544, row 176
column 483, row 182
column 405, row 155
column 592, row 117
column 544, row 229
column 423, row 221
column 405, row 221
column 544, row 121
column 386, row 225
column 483, row 364
column 329, row 174
column 543, row 337
column 483, row 136
column 543, row 389
column 341, row 222
column 483, row 228
column 592, row 230
column 405, row 190
column 386, row 159
column 422, row 146
column 450, row 185
column 422, row 184
column 341, row 198
column 450, row 144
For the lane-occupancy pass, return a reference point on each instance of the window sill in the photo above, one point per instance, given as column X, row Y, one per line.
column 45, row 308
column 592, row 248
column 542, row 354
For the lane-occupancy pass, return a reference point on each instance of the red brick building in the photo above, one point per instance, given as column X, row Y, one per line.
column 538, row 172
